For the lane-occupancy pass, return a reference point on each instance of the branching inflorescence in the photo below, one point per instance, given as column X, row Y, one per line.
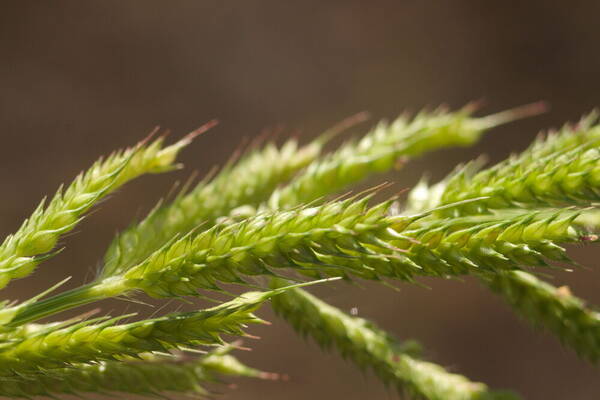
column 270, row 213
column 150, row 376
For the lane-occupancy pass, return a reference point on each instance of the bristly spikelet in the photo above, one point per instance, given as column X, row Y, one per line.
column 553, row 308
column 87, row 342
column 382, row 148
column 151, row 376
column 371, row 348
column 271, row 240
column 495, row 242
column 338, row 239
column 348, row 238
column 22, row 251
column 248, row 181
column 561, row 169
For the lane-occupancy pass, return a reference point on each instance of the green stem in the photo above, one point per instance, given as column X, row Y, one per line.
column 73, row 298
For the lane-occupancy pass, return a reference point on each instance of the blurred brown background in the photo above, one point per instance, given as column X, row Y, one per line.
column 79, row 79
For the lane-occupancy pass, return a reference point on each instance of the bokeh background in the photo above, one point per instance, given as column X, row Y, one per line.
column 81, row 78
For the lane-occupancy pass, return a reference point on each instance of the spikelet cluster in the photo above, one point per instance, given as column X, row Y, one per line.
column 555, row 170
column 22, row 251
column 256, row 245
column 348, row 238
column 556, row 309
column 247, row 182
column 497, row 241
column 371, row 348
column 160, row 226
column 84, row 342
column 560, row 169
column 250, row 181
column 151, row 376
column 380, row 150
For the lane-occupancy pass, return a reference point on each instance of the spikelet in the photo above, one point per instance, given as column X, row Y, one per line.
column 371, row 348
column 338, row 239
column 553, row 308
column 296, row 238
column 89, row 341
column 543, row 304
column 383, row 147
column 348, row 238
column 248, row 181
column 22, row 251
column 496, row 240
column 560, row 169
column 151, row 376
column 334, row 240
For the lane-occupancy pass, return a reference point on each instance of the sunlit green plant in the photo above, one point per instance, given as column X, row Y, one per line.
column 273, row 220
